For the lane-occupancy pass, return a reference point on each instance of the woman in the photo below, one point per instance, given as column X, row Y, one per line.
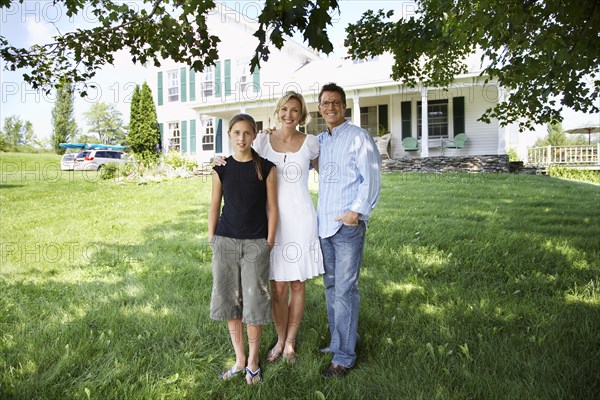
column 296, row 256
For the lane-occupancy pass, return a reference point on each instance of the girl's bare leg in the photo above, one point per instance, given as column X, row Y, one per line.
column 236, row 332
column 254, row 335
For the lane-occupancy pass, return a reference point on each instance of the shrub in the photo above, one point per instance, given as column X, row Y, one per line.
column 109, row 171
column 575, row 174
column 177, row 160
column 129, row 169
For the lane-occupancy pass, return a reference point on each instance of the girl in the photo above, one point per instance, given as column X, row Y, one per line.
column 241, row 240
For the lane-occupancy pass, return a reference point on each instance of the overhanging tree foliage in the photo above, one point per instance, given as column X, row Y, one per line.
column 537, row 49
column 153, row 30
column 546, row 53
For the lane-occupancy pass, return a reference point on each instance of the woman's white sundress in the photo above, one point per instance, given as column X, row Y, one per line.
column 296, row 255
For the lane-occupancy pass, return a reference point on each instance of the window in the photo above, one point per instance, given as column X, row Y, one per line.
column 208, row 82
column 437, row 118
column 208, row 134
column 174, row 136
column 317, row 123
column 173, row 85
column 244, row 81
column 243, row 66
column 368, row 120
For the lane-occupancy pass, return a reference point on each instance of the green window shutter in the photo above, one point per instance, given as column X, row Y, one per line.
column 217, row 79
column 160, row 88
column 161, row 128
column 183, row 83
column 227, row 77
column 256, row 80
column 458, row 114
column 184, row 136
column 192, row 136
column 405, row 109
column 219, row 137
column 192, row 84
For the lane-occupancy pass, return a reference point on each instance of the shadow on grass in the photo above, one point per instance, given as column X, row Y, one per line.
column 465, row 302
column 132, row 321
column 486, row 302
column 130, row 312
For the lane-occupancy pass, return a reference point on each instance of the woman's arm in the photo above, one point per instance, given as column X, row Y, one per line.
column 315, row 164
column 272, row 210
column 215, row 205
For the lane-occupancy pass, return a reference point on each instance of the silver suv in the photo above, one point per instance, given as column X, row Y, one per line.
column 94, row 159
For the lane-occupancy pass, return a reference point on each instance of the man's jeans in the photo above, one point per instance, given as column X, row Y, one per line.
column 342, row 256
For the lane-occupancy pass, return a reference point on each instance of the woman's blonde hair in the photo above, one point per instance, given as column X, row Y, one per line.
column 255, row 157
column 304, row 115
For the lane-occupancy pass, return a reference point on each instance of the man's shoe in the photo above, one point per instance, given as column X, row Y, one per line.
column 335, row 370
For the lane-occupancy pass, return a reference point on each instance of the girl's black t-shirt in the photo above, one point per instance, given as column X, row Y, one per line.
column 244, row 213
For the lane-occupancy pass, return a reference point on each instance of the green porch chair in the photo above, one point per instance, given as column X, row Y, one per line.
column 457, row 143
column 410, row 144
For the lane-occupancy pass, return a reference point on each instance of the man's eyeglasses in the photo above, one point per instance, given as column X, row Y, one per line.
column 335, row 103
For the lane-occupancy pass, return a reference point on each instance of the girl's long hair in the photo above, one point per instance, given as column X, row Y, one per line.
column 255, row 156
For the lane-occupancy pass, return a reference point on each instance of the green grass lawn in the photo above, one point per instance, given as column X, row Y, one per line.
column 473, row 287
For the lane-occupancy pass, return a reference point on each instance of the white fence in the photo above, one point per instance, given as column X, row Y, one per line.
column 564, row 155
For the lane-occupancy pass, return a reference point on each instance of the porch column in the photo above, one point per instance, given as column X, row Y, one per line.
column 356, row 110
column 199, row 134
column 502, row 130
column 424, row 124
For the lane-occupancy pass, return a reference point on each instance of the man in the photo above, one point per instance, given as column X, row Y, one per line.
column 349, row 187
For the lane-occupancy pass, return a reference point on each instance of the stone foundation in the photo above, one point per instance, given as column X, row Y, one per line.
column 485, row 163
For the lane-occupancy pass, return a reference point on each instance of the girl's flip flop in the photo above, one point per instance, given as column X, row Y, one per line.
column 252, row 378
column 230, row 373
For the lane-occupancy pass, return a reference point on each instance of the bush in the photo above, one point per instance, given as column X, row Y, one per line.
column 575, row 174
column 109, row 170
column 129, row 169
column 177, row 160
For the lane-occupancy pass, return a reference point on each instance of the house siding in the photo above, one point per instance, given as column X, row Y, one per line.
column 295, row 68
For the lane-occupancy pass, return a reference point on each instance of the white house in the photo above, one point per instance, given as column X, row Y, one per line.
column 194, row 108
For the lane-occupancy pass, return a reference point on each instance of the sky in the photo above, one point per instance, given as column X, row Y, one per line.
column 37, row 21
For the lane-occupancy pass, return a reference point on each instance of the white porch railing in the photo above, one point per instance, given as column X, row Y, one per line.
column 564, row 155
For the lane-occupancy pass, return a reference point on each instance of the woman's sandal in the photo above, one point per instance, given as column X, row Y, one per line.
column 273, row 355
column 252, row 378
column 231, row 373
